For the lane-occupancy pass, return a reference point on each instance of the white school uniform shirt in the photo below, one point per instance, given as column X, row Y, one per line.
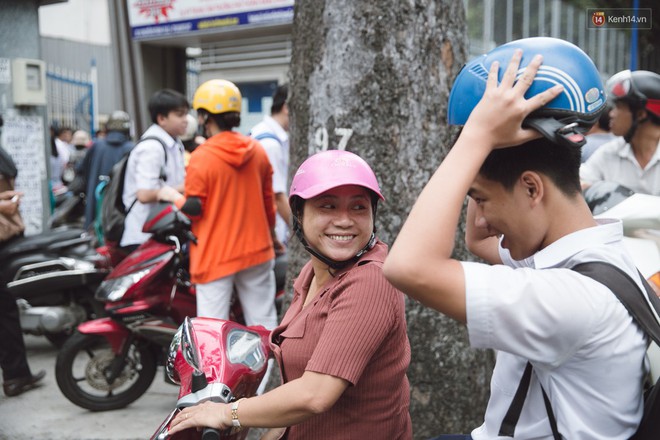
column 143, row 172
column 616, row 162
column 583, row 345
column 278, row 155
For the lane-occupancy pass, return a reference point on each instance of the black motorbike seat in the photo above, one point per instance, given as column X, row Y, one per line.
column 43, row 241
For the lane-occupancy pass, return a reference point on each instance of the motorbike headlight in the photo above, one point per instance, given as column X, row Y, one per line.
column 244, row 347
column 76, row 264
column 171, row 357
column 115, row 288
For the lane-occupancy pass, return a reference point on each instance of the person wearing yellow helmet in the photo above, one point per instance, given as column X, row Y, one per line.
column 229, row 195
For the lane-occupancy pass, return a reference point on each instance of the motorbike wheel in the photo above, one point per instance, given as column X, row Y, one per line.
column 82, row 362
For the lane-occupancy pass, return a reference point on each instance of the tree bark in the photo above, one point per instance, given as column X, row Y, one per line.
column 374, row 77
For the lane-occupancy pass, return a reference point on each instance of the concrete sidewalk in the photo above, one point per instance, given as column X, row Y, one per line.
column 44, row 413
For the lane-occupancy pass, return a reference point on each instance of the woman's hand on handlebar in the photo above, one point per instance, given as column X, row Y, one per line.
column 204, row 415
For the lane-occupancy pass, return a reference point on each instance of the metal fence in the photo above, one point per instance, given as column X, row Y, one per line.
column 495, row 22
column 71, row 99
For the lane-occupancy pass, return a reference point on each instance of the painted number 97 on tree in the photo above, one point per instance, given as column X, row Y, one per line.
column 322, row 139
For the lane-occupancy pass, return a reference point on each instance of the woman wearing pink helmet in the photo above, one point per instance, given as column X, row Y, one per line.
column 342, row 346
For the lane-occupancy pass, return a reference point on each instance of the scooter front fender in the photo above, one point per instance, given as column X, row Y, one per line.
column 113, row 331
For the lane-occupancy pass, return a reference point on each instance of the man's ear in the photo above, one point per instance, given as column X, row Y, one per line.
column 642, row 115
column 533, row 186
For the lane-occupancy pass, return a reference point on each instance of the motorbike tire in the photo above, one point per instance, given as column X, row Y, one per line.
column 80, row 367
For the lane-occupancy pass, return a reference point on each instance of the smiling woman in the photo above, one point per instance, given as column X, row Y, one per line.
column 336, row 187
column 342, row 345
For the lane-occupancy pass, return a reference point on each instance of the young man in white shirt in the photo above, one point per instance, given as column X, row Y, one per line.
column 273, row 135
column 153, row 165
column 527, row 217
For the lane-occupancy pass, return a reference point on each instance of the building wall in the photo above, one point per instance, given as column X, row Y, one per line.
column 24, row 133
column 77, row 57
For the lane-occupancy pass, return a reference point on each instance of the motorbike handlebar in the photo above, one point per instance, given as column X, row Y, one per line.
column 210, row 434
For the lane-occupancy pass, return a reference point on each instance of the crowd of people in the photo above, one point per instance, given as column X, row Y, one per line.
column 342, row 345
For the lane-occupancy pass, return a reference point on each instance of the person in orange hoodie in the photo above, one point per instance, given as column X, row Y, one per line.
column 229, row 196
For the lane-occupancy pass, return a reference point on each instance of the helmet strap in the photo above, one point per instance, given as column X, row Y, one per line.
column 635, row 123
column 333, row 264
column 562, row 133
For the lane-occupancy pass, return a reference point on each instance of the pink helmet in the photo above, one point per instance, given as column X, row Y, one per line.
column 331, row 169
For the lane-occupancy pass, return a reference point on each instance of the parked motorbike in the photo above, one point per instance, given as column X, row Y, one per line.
column 214, row 360
column 640, row 215
column 53, row 277
column 110, row 362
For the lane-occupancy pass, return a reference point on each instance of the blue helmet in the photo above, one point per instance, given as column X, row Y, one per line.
column 565, row 118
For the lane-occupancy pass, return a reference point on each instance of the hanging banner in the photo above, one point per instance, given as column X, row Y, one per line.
column 151, row 19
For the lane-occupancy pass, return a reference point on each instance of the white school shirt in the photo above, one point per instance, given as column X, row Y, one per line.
column 581, row 341
column 616, row 162
column 143, row 172
column 278, row 155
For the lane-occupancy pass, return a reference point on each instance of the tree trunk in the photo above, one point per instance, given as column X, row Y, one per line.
column 373, row 77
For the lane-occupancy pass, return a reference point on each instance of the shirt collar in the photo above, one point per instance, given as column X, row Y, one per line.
column 607, row 231
column 276, row 128
column 626, row 152
column 159, row 132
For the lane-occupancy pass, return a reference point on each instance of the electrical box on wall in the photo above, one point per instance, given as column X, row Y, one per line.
column 29, row 81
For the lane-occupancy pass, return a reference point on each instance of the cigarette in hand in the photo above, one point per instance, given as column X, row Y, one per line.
column 15, row 198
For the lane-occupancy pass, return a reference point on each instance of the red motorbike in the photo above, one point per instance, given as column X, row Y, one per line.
column 110, row 362
column 214, row 360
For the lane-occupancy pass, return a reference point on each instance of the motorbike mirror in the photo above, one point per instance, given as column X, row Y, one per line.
column 189, row 346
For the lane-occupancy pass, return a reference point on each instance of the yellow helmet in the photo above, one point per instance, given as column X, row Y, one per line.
column 217, row 96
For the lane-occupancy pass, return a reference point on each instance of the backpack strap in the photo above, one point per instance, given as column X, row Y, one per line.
column 644, row 308
column 508, row 426
column 267, row 135
column 154, row 138
column 163, row 176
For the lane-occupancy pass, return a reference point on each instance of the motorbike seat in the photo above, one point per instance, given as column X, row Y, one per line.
column 46, row 241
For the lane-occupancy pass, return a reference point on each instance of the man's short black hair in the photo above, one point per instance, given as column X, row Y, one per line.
column 63, row 129
column 279, row 99
column 558, row 162
column 164, row 101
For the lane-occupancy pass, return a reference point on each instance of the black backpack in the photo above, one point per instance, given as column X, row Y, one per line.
column 643, row 307
column 113, row 211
